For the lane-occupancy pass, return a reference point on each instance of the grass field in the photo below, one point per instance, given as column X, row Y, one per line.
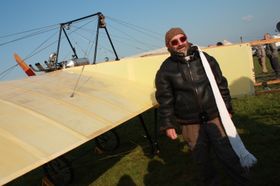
column 257, row 121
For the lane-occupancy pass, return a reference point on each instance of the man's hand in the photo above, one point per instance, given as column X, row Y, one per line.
column 171, row 133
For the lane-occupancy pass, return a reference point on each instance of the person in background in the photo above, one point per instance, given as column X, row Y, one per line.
column 186, row 99
column 219, row 43
column 260, row 52
column 272, row 54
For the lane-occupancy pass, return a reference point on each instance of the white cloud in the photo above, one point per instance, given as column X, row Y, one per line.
column 247, row 18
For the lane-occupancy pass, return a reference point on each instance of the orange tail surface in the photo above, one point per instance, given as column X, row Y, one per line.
column 24, row 66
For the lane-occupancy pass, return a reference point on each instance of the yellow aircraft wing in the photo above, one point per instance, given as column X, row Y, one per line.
column 43, row 117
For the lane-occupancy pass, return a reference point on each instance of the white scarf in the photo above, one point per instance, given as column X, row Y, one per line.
column 246, row 158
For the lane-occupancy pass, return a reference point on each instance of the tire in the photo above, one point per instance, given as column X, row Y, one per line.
column 59, row 171
column 108, row 142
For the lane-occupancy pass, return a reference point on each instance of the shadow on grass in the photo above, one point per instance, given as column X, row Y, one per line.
column 126, row 180
column 132, row 135
column 174, row 166
column 261, row 139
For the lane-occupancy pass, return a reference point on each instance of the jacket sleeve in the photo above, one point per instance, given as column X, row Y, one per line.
column 221, row 82
column 165, row 99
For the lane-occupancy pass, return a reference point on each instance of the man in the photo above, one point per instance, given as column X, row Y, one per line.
column 185, row 97
column 272, row 54
column 261, row 57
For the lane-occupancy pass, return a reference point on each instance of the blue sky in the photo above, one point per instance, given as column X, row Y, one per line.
column 205, row 22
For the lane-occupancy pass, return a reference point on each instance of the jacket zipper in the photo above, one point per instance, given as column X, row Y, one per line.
column 195, row 88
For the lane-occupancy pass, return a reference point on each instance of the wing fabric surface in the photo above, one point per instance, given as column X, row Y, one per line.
column 40, row 121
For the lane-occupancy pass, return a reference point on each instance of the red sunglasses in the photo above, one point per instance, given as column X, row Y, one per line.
column 175, row 42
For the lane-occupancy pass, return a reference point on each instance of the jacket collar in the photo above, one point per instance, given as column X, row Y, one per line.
column 192, row 54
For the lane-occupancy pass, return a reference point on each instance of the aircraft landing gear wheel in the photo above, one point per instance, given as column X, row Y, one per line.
column 108, row 142
column 59, row 171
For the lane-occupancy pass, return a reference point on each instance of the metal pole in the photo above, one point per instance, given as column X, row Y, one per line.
column 156, row 145
column 147, row 134
column 117, row 58
column 73, row 49
column 58, row 44
column 96, row 42
column 75, row 20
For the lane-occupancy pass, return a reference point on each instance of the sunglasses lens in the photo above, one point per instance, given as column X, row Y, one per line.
column 174, row 42
column 183, row 39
